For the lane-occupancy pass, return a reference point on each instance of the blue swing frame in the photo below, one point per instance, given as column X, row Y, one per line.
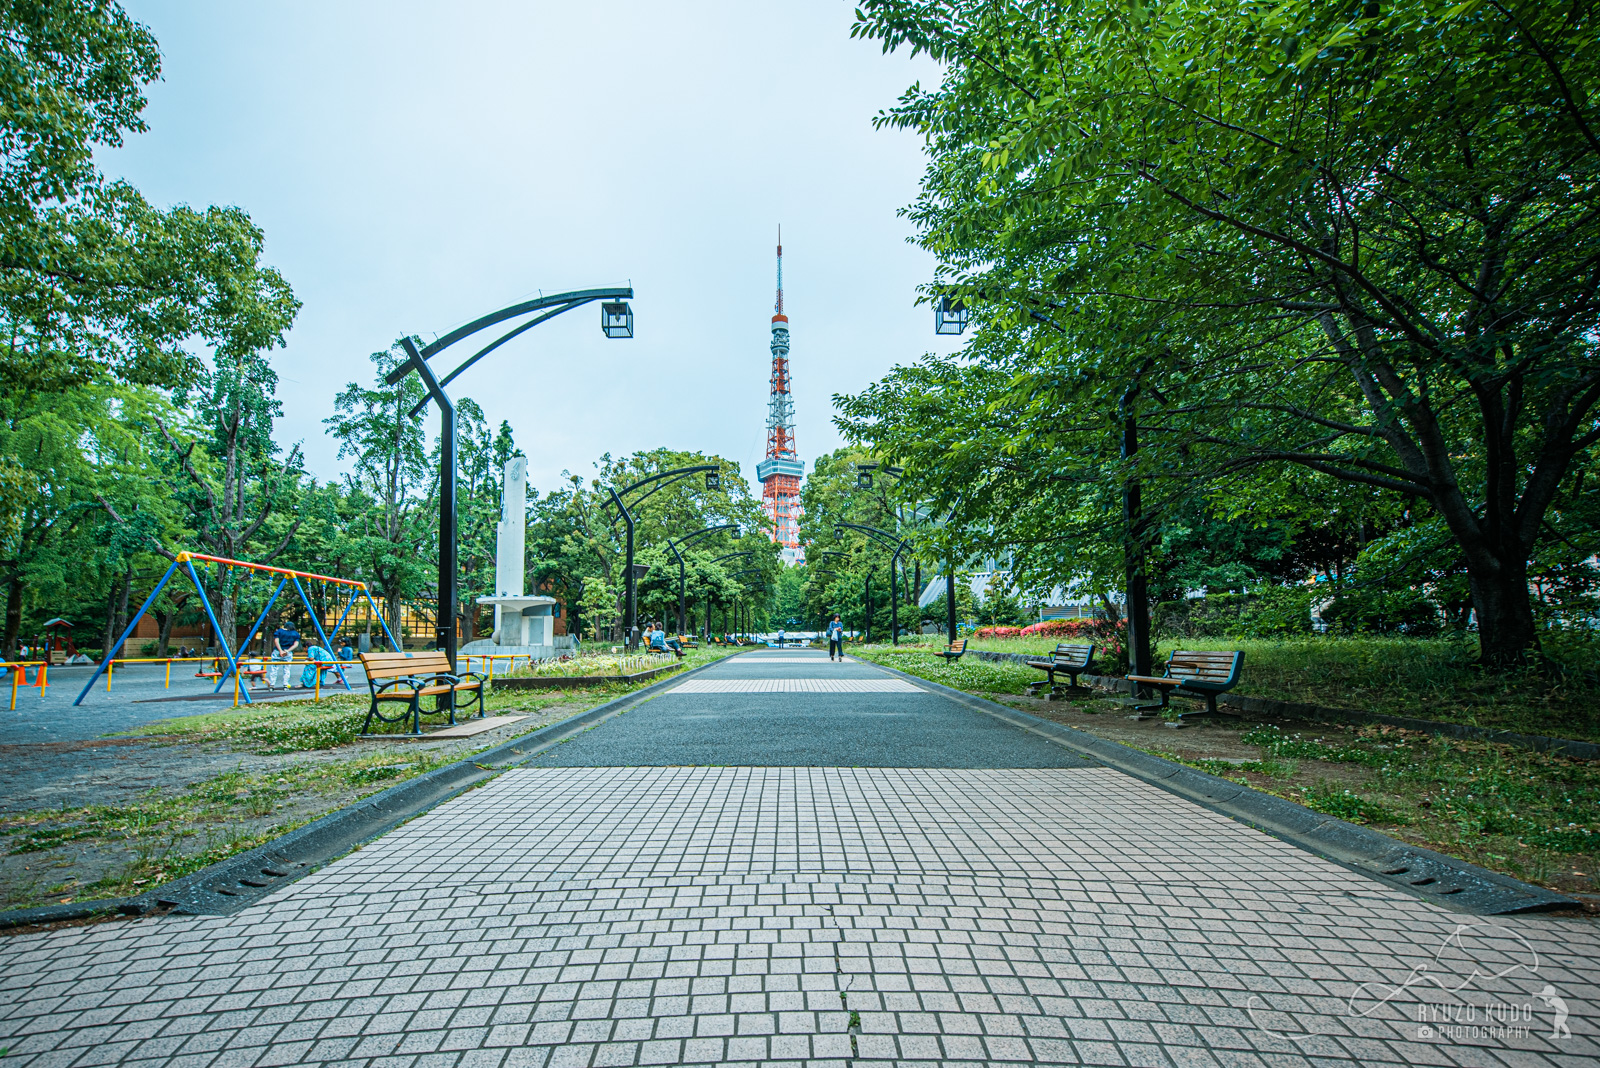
column 186, row 560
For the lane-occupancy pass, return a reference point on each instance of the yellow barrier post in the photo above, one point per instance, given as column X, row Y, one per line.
column 111, row 665
column 44, row 675
column 168, row 686
column 14, row 688
column 235, row 689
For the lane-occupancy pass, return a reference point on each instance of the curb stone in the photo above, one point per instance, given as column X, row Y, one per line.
column 1266, row 706
column 1423, row 873
column 242, row 880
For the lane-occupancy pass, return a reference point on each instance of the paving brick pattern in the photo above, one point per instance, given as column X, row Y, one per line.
column 599, row 916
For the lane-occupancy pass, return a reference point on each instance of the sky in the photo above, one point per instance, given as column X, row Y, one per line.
column 417, row 165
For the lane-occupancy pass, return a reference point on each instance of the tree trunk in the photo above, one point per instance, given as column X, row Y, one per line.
column 1506, row 627
column 122, row 608
column 227, row 620
column 165, row 620
column 13, row 615
column 111, row 622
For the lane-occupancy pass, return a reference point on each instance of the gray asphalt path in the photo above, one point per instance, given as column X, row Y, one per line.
column 912, row 729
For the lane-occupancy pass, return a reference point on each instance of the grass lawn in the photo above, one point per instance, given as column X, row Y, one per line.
column 1425, row 678
column 1531, row 815
column 294, row 762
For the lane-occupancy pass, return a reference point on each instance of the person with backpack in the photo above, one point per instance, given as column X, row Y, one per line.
column 835, row 632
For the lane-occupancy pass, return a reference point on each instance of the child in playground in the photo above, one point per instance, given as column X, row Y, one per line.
column 308, row 674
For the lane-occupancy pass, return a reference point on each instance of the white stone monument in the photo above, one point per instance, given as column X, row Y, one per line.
column 522, row 624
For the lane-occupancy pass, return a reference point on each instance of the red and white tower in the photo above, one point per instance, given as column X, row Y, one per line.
column 781, row 471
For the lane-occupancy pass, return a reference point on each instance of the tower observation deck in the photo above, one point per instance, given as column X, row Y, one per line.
column 781, row 471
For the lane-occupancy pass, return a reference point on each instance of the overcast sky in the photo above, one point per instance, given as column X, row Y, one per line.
column 417, row 165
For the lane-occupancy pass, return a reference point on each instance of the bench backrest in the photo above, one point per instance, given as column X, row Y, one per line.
column 959, row 647
column 399, row 665
column 1221, row 668
column 1070, row 655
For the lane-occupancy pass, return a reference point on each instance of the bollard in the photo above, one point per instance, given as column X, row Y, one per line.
column 168, row 686
column 14, row 689
column 111, row 665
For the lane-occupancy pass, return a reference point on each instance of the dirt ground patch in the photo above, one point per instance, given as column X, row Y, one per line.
column 109, row 817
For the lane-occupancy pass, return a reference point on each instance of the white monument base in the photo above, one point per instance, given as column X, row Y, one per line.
column 484, row 647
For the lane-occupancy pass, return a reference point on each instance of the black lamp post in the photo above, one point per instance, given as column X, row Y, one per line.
column 683, row 621
column 738, row 606
column 899, row 545
column 616, row 321
column 631, row 601
column 1137, row 608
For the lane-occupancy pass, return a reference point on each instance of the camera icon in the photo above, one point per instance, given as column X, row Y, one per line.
column 1424, row 1032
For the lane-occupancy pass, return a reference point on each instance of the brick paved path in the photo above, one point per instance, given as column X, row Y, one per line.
column 866, row 915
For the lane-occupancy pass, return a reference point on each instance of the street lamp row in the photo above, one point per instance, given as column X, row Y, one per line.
column 616, row 321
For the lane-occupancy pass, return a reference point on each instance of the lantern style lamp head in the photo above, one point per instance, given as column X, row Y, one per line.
column 949, row 316
column 864, row 479
column 616, row 319
column 713, row 480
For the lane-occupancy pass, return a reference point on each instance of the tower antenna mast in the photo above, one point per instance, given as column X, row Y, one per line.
column 781, row 471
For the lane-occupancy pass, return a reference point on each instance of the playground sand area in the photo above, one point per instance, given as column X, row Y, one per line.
column 114, row 816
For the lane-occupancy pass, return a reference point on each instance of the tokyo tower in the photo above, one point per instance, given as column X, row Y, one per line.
column 781, row 471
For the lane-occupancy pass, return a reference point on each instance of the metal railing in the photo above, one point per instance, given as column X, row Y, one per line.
column 19, row 672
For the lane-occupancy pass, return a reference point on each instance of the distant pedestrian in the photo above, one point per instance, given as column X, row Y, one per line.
column 285, row 640
column 345, row 651
column 835, row 634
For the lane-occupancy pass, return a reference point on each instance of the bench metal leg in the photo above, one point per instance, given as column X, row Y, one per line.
column 1211, row 712
column 1072, row 686
column 1152, row 711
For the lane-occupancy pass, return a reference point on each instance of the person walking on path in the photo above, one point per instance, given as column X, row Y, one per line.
column 285, row 640
column 835, row 639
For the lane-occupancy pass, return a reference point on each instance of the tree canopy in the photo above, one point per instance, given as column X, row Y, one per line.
column 1356, row 242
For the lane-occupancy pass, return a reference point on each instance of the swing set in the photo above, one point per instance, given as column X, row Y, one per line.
column 186, row 560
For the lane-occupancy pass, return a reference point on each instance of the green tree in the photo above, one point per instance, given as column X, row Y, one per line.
column 390, row 469
column 93, row 279
column 1360, row 240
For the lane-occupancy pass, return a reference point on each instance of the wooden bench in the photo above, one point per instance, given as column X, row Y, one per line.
column 957, row 650
column 1194, row 673
column 1069, row 659
column 409, row 677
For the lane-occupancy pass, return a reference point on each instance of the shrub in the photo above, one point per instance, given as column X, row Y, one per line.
column 1000, row 632
column 1269, row 612
column 1374, row 611
column 1050, row 628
